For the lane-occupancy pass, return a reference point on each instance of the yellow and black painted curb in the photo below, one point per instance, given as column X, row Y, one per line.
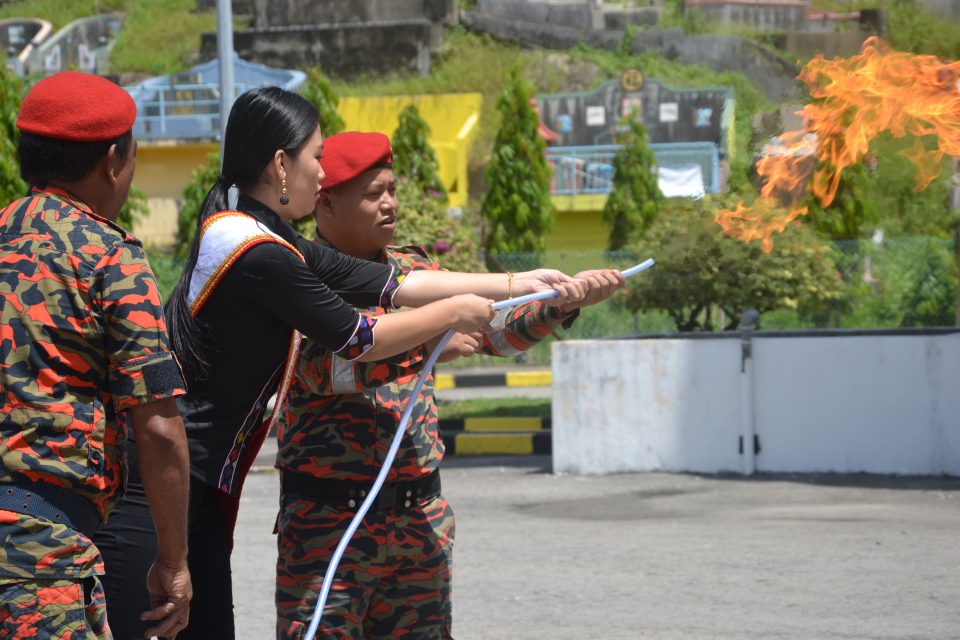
column 495, row 435
column 538, row 378
column 498, row 424
column 465, row 443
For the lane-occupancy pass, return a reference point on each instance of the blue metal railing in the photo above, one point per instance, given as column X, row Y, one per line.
column 186, row 106
column 589, row 169
column 181, row 111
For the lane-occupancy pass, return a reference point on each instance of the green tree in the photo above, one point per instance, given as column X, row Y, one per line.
column 700, row 270
column 635, row 197
column 906, row 211
column 881, row 193
column 517, row 208
column 11, row 94
column 931, row 300
column 426, row 222
column 320, row 93
column 917, row 29
column 191, row 200
column 853, row 211
column 413, row 157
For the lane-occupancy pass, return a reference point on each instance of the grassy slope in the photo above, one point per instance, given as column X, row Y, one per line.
column 912, row 27
column 470, row 62
column 60, row 12
column 158, row 36
column 163, row 36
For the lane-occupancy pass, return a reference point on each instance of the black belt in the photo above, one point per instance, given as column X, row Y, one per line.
column 44, row 500
column 346, row 494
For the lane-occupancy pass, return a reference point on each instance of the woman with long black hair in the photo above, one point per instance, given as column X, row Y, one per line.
column 250, row 287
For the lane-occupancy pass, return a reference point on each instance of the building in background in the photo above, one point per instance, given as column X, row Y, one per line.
column 348, row 38
column 691, row 136
column 178, row 126
column 452, row 117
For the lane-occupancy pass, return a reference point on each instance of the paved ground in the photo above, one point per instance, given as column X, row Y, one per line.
column 672, row 556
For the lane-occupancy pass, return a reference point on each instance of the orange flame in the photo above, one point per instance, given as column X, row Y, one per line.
column 854, row 100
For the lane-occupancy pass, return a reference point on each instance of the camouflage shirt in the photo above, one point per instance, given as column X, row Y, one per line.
column 82, row 338
column 341, row 416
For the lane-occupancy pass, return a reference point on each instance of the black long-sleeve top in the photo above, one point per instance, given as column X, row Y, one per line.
column 247, row 325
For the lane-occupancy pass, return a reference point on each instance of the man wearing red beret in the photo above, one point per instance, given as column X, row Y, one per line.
column 85, row 356
column 340, row 418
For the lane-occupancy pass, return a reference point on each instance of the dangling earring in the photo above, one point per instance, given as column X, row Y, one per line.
column 284, row 200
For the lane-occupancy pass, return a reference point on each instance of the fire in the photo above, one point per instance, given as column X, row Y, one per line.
column 853, row 100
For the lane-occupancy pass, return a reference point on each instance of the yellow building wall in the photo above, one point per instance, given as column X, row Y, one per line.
column 578, row 226
column 452, row 117
column 163, row 171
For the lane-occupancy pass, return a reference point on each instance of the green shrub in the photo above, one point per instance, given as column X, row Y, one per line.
column 320, row 93
column 424, row 220
column 413, row 157
column 635, row 198
column 700, row 271
column 11, row 94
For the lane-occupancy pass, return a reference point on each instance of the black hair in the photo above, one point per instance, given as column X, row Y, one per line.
column 44, row 159
column 261, row 121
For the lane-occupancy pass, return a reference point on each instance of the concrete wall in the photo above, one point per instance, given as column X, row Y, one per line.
column 277, row 13
column 809, row 44
column 877, row 403
column 574, row 14
column 946, row 8
column 346, row 37
column 762, row 16
column 238, row 7
column 775, row 16
column 775, row 76
column 577, row 15
column 163, row 171
column 342, row 50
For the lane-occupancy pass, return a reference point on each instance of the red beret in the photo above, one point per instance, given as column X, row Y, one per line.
column 77, row 106
column 347, row 155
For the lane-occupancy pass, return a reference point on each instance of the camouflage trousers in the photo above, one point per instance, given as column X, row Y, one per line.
column 392, row 582
column 53, row 610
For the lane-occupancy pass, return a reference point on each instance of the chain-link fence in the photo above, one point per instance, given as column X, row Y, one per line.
column 901, row 282
column 887, row 283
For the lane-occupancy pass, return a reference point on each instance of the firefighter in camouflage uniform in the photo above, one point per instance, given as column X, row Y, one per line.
column 394, row 579
column 83, row 357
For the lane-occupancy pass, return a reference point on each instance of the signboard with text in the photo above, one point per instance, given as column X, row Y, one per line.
column 670, row 114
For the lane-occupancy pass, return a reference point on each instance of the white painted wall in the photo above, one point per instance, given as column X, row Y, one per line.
column 872, row 403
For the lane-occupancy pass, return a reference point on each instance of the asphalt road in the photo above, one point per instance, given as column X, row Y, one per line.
column 672, row 556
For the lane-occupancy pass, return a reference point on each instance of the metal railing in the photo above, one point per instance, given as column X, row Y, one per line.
column 181, row 111
column 589, row 169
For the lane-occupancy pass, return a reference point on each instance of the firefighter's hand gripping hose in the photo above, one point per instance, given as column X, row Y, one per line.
column 395, row 445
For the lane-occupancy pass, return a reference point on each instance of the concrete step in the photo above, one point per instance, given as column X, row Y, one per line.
column 478, row 436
